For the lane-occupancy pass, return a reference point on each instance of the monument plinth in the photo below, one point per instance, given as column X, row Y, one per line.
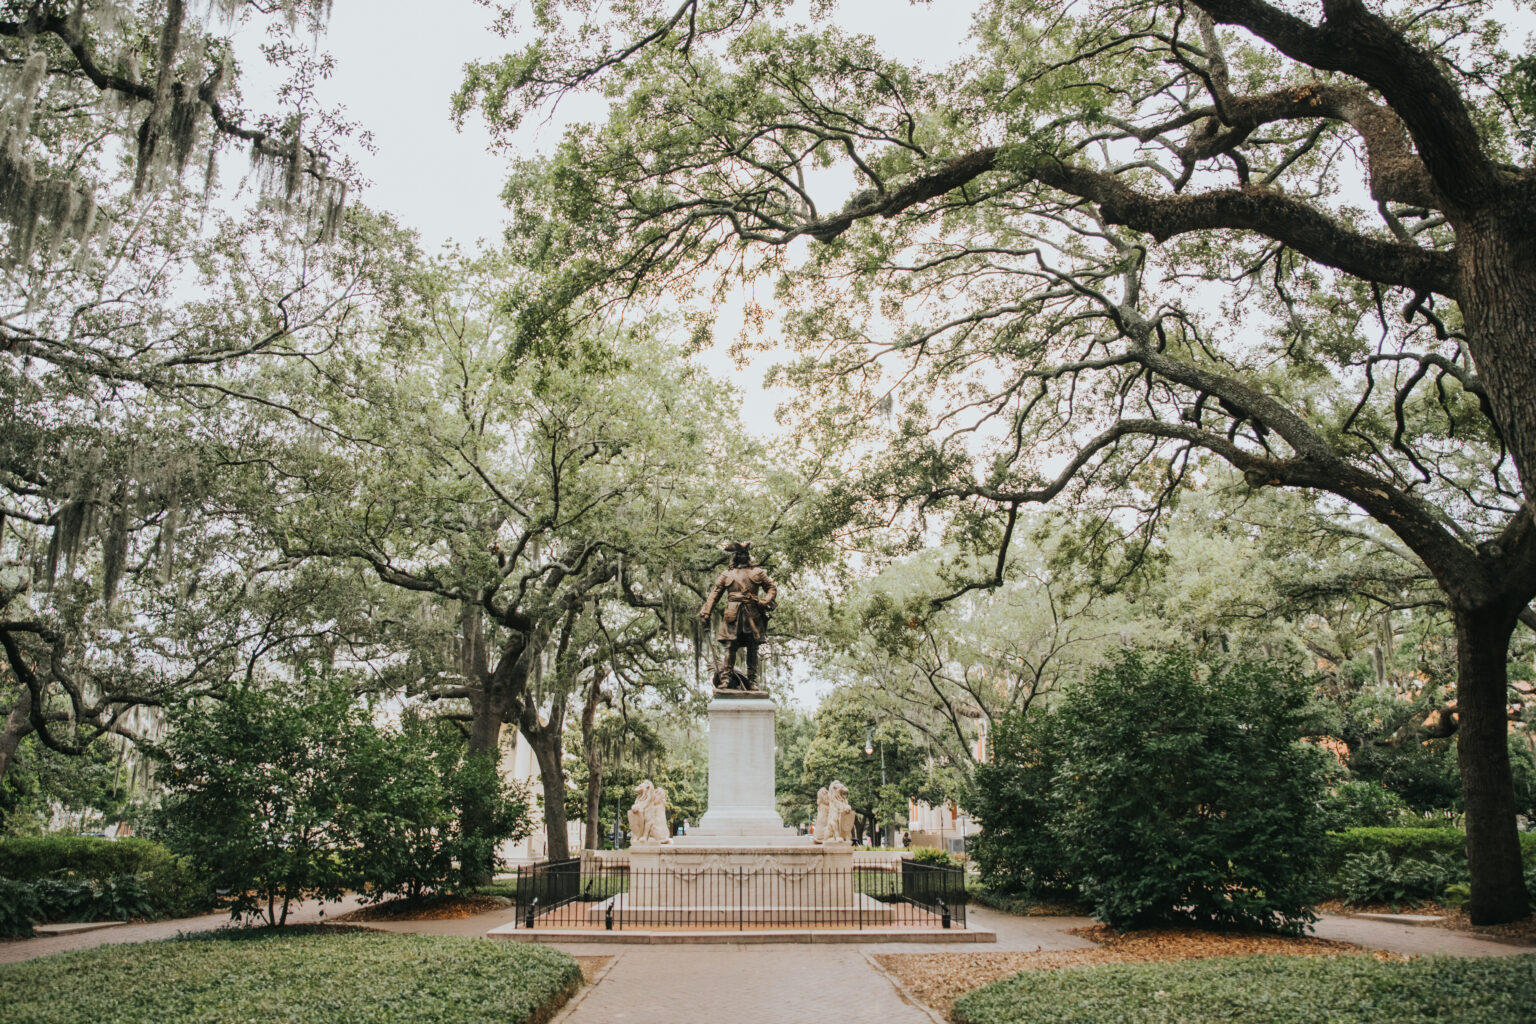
column 742, row 863
column 741, row 770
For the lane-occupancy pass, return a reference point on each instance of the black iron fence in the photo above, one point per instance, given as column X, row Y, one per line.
column 577, row 894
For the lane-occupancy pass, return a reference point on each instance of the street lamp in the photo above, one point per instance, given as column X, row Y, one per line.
column 869, row 748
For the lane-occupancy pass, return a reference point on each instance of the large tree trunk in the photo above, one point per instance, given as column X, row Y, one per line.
column 484, row 742
column 1497, row 253
column 1482, row 744
column 548, row 750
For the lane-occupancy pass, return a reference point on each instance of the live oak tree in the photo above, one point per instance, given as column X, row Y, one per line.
column 1114, row 240
column 157, row 87
column 127, row 305
column 555, row 507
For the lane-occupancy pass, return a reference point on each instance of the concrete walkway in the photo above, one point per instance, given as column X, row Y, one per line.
column 771, row 982
column 13, row 950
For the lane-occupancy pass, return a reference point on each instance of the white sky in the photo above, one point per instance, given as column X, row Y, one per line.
column 397, row 68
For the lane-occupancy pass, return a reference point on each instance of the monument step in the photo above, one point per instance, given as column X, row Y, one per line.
column 646, row 937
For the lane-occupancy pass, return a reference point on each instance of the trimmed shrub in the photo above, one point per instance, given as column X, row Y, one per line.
column 933, row 855
column 1275, row 990
column 1162, row 790
column 172, row 886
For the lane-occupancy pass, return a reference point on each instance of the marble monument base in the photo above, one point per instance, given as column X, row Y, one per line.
column 867, row 912
column 741, row 802
column 735, row 880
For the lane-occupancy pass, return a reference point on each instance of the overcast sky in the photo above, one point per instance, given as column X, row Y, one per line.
column 398, row 62
column 397, row 67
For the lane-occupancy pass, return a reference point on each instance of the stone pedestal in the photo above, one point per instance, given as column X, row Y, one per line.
column 739, row 884
column 740, row 772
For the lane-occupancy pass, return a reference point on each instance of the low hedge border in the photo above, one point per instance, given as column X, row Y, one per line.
column 299, row 975
column 1414, row 843
column 157, row 882
column 1276, row 990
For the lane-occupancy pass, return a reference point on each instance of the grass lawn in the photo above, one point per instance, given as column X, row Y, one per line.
column 310, row 976
column 1267, row 990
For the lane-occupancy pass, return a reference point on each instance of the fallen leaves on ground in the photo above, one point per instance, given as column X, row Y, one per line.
column 938, row 979
column 431, row 908
column 592, row 966
column 1516, row 933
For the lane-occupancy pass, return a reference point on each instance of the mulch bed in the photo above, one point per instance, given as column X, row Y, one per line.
column 430, row 908
column 938, row 979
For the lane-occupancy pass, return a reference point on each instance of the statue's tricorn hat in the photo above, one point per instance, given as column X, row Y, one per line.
column 737, row 545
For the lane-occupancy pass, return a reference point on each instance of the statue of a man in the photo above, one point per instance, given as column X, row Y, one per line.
column 749, row 596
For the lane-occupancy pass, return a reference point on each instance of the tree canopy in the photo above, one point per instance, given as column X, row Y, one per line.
column 1115, row 241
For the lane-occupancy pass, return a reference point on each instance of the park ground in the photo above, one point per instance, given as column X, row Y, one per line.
column 886, row 983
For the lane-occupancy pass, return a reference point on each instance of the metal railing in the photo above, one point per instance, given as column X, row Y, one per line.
column 605, row 896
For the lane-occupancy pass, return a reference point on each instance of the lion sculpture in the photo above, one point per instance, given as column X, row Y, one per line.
column 648, row 817
column 838, row 827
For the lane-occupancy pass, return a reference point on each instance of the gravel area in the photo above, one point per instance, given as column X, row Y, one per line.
column 938, row 979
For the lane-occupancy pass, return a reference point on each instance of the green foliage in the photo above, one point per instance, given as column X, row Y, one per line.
column 172, row 885
column 422, row 816
column 1276, row 990
column 1020, row 851
column 1390, row 865
column 303, row 976
column 18, row 908
column 1377, row 878
column 1355, row 803
column 118, row 898
column 933, row 855
column 870, row 752
column 286, row 796
column 255, row 794
column 60, row 899
column 88, row 786
column 1161, row 789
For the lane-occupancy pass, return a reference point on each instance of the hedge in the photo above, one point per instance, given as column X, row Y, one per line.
column 1409, row 844
column 296, row 975
column 174, row 887
column 1276, row 990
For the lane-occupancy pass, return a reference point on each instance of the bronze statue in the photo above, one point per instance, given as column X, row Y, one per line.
column 744, row 622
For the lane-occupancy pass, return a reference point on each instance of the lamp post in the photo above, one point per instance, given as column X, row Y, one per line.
column 869, row 748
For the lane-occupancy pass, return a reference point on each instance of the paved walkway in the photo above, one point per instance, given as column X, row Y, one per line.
column 25, row 949
column 768, row 983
